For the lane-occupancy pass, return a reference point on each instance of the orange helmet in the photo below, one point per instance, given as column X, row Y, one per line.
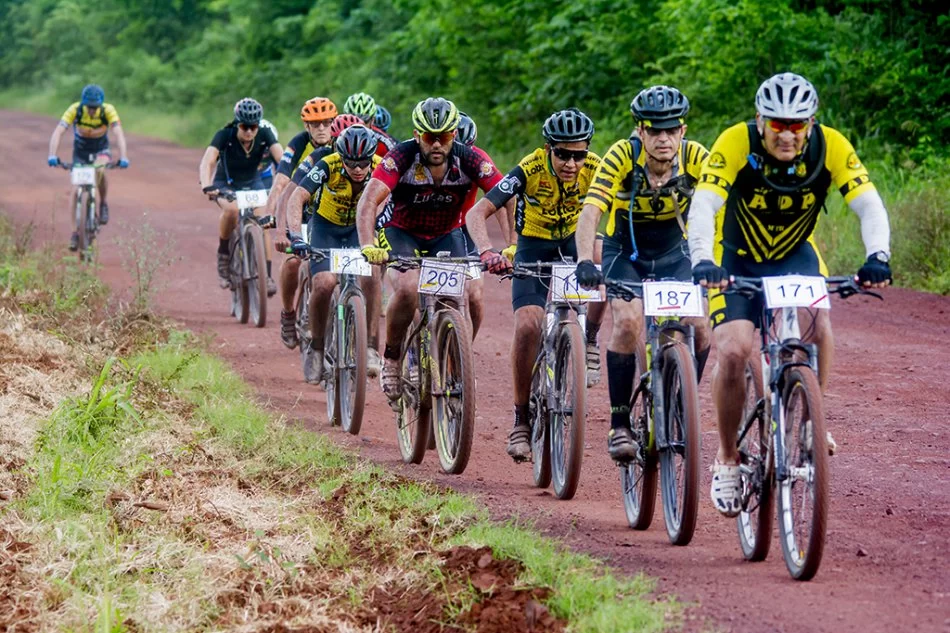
column 318, row 109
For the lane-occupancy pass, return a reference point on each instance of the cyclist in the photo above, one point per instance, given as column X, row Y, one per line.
column 383, row 118
column 231, row 162
column 773, row 174
column 651, row 175
column 428, row 178
column 548, row 186
column 91, row 118
column 333, row 187
column 268, row 165
column 364, row 106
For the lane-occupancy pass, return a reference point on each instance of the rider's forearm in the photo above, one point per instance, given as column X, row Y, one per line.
column 875, row 227
column 206, row 167
column 373, row 196
column 294, row 209
column 120, row 141
column 54, row 140
column 702, row 224
column 475, row 221
column 274, row 197
column 586, row 232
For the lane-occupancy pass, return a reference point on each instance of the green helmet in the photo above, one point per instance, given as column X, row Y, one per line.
column 362, row 105
column 435, row 115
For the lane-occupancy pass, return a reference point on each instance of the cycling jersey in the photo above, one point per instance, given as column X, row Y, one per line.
column 385, row 141
column 236, row 165
column 773, row 207
column 86, row 125
column 304, row 166
column 655, row 226
column 296, row 151
column 547, row 208
column 332, row 190
column 423, row 208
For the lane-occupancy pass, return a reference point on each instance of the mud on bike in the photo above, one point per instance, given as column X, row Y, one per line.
column 782, row 436
column 664, row 409
column 248, row 261
column 85, row 211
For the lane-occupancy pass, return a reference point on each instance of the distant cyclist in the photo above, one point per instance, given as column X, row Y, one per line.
column 231, row 162
column 383, row 118
column 268, row 166
column 364, row 106
column 91, row 118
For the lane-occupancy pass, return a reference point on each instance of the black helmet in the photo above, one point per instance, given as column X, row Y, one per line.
column 248, row 111
column 357, row 142
column 568, row 126
column 435, row 115
column 92, row 95
column 660, row 107
column 468, row 131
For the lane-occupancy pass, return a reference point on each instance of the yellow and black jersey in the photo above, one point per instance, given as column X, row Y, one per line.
column 772, row 207
column 623, row 171
column 547, row 208
column 87, row 125
column 331, row 190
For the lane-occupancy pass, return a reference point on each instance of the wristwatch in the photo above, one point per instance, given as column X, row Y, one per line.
column 881, row 256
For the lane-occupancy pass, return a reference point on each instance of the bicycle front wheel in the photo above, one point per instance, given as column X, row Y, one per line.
column 412, row 416
column 351, row 373
column 83, row 200
column 638, row 476
column 330, row 374
column 240, row 304
column 256, row 274
column 453, row 394
column 538, row 409
column 803, row 495
column 570, row 418
column 755, row 467
column 680, row 459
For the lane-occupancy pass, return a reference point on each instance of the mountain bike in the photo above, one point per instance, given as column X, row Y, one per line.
column 248, row 262
column 345, row 336
column 666, row 392
column 782, row 438
column 437, row 372
column 86, row 214
column 558, row 400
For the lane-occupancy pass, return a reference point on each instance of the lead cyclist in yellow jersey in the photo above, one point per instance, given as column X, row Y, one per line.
column 773, row 174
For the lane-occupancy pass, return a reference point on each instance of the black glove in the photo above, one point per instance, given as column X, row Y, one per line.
column 297, row 245
column 707, row 270
column 588, row 277
column 875, row 270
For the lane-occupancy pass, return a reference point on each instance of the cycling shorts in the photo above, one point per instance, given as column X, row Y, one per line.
column 673, row 264
column 326, row 234
column 86, row 150
column 533, row 291
column 401, row 242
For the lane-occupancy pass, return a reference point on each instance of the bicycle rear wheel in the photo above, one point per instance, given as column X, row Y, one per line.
column 803, row 496
column 352, row 367
column 570, row 418
column 538, row 410
column 453, row 397
column 756, row 472
column 638, row 477
column 256, row 273
column 412, row 417
column 680, row 460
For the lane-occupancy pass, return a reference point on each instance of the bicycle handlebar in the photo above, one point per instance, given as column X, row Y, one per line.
column 69, row 166
column 842, row 286
column 403, row 263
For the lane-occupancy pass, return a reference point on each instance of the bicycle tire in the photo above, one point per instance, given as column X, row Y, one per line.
column 568, row 423
column 302, row 324
column 82, row 197
column 754, row 523
column 330, row 361
column 805, row 432
column 538, row 413
column 681, row 397
column 239, row 292
column 638, row 477
column 453, row 397
column 412, row 417
column 351, row 373
column 256, row 273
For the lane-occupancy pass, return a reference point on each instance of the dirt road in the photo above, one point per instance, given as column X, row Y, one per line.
column 887, row 561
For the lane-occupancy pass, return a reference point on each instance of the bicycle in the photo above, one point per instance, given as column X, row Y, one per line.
column 248, row 262
column 558, row 400
column 437, row 366
column 345, row 338
column 86, row 215
column 782, row 436
column 667, row 391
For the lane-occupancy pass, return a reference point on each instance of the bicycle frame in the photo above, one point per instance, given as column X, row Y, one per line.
column 556, row 315
column 660, row 337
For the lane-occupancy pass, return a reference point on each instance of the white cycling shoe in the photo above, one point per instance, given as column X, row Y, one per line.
column 726, row 489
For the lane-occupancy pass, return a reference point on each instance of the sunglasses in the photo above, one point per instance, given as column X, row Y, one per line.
column 247, row 128
column 655, row 132
column 794, row 127
column 327, row 123
column 356, row 164
column 577, row 155
column 444, row 138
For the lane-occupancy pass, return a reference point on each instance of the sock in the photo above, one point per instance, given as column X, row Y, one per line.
column 373, row 342
column 592, row 330
column 268, row 269
column 621, row 372
column 392, row 353
column 522, row 413
column 701, row 357
column 223, row 246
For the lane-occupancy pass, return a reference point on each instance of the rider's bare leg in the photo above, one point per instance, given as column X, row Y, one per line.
column 321, row 291
column 524, row 349
column 289, row 272
column 734, row 343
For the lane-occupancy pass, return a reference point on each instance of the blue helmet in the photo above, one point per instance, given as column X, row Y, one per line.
column 383, row 118
column 92, row 95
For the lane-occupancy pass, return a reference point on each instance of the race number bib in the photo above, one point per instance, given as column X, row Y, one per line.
column 442, row 278
column 83, row 175
column 349, row 261
column 796, row 291
column 251, row 199
column 564, row 286
column 667, row 298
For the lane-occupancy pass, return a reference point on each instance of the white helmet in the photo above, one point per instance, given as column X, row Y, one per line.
column 786, row 96
column 270, row 126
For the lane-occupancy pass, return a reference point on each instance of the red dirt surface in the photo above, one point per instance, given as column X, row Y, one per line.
column 887, row 560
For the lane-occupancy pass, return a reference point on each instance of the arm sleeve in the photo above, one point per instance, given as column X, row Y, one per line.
column 511, row 185
column 875, row 227
column 395, row 163
column 296, row 145
column 70, row 114
column 112, row 116
column 702, row 224
column 609, row 177
column 315, row 179
column 849, row 175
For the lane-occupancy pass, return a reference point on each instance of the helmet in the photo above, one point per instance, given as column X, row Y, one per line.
column 362, row 105
column 248, row 111
column 342, row 122
column 468, row 131
column 786, row 96
column 357, row 142
column 270, row 126
column 567, row 126
column 318, row 109
column 435, row 115
column 661, row 107
column 383, row 118
column 93, row 95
